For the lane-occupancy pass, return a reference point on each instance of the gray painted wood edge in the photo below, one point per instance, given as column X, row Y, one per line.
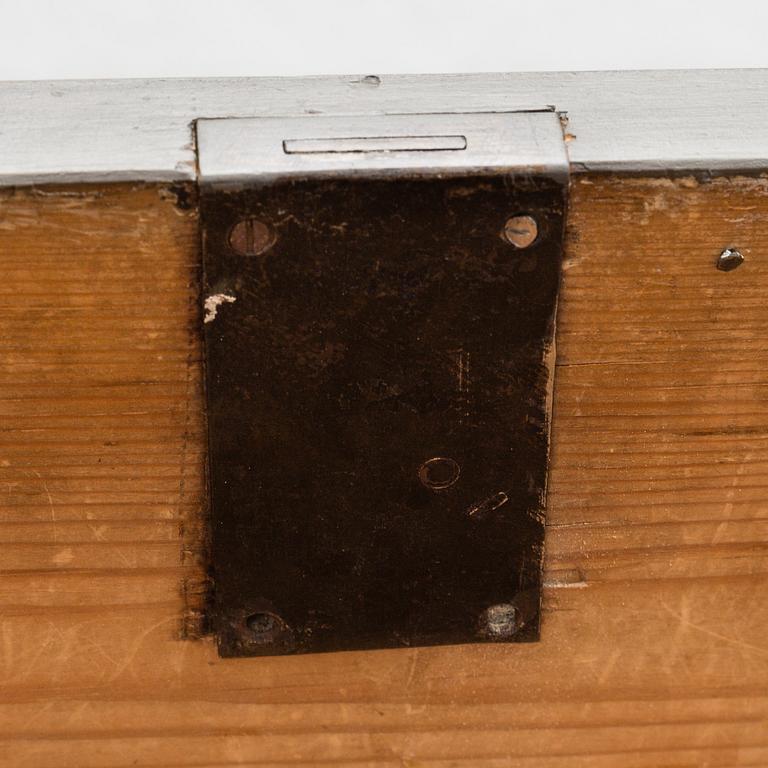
column 142, row 130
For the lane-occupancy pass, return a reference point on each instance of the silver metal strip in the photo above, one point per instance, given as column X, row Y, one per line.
column 253, row 150
column 141, row 130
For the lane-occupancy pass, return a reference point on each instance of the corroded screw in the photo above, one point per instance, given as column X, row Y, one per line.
column 500, row 621
column 521, row 231
column 729, row 259
column 439, row 473
column 263, row 626
column 250, row 237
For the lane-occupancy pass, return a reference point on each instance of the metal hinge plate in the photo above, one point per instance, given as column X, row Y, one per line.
column 379, row 298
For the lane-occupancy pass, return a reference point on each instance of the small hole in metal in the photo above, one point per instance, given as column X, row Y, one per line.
column 439, row 473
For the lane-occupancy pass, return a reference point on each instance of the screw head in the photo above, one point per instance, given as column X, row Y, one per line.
column 264, row 627
column 500, row 621
column 729, row 259
column 521, row 231
column 250, row 237
column 439, row 473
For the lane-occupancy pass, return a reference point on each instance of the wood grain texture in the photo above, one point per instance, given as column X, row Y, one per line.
column 653, row 650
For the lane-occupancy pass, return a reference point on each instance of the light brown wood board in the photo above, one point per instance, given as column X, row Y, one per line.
column 654, row 648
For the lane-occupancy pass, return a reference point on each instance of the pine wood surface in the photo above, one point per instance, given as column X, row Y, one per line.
column 654, row 647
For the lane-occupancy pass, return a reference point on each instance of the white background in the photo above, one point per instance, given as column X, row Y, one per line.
column 47, row 39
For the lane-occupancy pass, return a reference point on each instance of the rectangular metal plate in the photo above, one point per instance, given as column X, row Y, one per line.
column 259, row 149
column 378, row 375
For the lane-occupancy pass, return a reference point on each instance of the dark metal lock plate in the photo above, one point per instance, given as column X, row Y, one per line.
column 379, row 369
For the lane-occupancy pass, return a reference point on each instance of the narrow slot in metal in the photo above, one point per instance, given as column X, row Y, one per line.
column 343, row 145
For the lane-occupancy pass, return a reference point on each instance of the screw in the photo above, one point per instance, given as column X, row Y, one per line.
column 263, row 625
column 729, row 259
column 521, row 231
column 439, row 473
column 500, row 621
column 250, row 237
